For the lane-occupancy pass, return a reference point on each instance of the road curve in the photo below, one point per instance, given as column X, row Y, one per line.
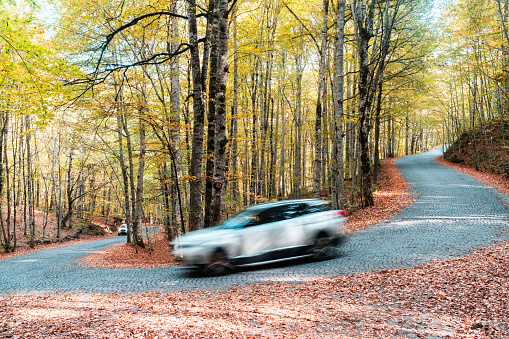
column 451, row 215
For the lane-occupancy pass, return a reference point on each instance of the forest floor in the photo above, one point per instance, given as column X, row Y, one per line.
column 466, row 297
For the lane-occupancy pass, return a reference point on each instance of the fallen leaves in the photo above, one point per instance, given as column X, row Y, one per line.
column 391, row 198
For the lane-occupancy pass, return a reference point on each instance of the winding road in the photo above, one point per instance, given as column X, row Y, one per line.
column 451, row 215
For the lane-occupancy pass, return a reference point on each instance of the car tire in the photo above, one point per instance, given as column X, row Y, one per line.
column 219, row 265
column 323, row 248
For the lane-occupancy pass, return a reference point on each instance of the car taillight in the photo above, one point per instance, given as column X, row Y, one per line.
column 340, row 213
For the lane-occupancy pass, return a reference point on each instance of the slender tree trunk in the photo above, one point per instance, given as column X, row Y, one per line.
column 220, row 133
column 326, row 135
column 282, row 157
column 211, row 121
column 297, row 170
column 376, row 156
column 70, row 199
column 125, row 178
column 195, row 181
column 338, row 168
column 254, row 141
column 350, row 131
column 4, row 175
column 139, row 200
column 234, row 147
column 320, row 102
column 167, row 198
column 29, row 177
column 11, row 237
column 175, row 126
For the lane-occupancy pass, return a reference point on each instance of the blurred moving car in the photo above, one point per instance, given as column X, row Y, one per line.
column 264, row 233
column 122, row 230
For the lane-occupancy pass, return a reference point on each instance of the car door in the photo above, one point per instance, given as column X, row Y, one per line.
column 259, row 236
column 292, row 234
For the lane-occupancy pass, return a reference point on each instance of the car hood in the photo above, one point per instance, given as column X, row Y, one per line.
column 202, row 235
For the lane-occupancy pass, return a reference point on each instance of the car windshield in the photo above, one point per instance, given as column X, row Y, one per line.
column 239, row 220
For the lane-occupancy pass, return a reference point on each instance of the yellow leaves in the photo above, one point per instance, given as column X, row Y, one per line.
column 500, row 77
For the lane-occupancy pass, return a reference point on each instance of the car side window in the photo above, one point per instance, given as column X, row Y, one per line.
column 294, row 210
column 265, row 217
column 317, row 208
column 276, row 214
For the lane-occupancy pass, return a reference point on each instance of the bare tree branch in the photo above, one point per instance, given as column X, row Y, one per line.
column 122, row 28
column 305, row 27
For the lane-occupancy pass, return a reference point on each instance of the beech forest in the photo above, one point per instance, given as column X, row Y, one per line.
column 183, row 112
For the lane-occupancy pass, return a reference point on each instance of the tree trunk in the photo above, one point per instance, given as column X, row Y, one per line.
column 125, row 178
column 174, row 130
column 297, row 170
column 282, row 157
column 138, row 210
column 164, row 179
column 211, row 120
column 376, row 156
column 4, row 182
column 254, row 149
column 234, row 146
column 338, row 168
column 320, row 103
column 220, row 133
column 69, row 195
column 195, row 181
column 30, row 180
column 370, row 73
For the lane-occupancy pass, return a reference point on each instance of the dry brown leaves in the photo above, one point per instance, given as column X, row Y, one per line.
column 390, row 199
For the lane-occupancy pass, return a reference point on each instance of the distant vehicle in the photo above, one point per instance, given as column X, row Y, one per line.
column 122, row 230
column 264, row 233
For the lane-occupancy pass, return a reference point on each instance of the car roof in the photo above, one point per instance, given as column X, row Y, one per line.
column 286, row 202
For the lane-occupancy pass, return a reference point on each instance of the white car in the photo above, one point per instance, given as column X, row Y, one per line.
column 264, row 233
column 122, row 230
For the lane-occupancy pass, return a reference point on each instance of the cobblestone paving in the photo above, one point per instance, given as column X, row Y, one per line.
column 452, row 214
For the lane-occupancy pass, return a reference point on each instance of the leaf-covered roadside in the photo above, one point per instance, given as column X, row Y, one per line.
column 70, row 236
column 125, row 256
column 390, row 198
column 440, row 299
column 500, row 182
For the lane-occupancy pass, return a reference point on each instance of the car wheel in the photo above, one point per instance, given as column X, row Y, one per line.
column 219, row 264
column 323, row 248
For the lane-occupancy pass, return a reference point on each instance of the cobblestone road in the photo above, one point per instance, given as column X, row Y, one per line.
column 452, row 214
